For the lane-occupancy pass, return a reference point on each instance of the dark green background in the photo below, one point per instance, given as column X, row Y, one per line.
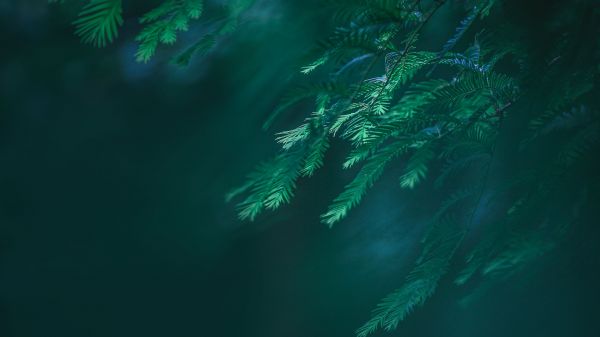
column 113, row 220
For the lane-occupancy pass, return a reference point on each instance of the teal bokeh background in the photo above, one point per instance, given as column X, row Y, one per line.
column 113, row 220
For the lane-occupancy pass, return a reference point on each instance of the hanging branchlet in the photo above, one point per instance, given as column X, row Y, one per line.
column 437, row 114
column 99, row 21
column 439, row 128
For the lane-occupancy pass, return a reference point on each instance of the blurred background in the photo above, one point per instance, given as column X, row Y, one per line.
column 112, row 213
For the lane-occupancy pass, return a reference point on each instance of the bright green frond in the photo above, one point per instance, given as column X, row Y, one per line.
column 498, row 88
column 356, row 189
column 162, row 23
column 416, row 97
column 289, row 138
column 315, row 156
column 271, row 185
column 400, row 68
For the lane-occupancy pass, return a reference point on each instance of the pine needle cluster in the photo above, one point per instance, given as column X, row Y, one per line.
column 99, row 21
column 501, row 86
column 442, row 115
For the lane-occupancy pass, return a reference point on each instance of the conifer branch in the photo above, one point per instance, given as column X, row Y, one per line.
column 407, row 48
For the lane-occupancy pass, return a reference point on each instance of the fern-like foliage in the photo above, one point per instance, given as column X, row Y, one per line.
column 416, row 168
column 315, row 156
column 504, row 124
column 99, row 22
column 162, row 23
column 422, row 280
column 271, row 185
column 356, row 189
column 447, row 124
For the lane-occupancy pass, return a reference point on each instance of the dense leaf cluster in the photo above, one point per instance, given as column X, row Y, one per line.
column 445, row 113
column 99, row 22
column 514, row 77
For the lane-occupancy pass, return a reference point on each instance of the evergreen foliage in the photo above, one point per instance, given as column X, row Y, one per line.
column 99, row 22
column 421, row 281
column 447, row 122
column 162, row 23
column 451, row 112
